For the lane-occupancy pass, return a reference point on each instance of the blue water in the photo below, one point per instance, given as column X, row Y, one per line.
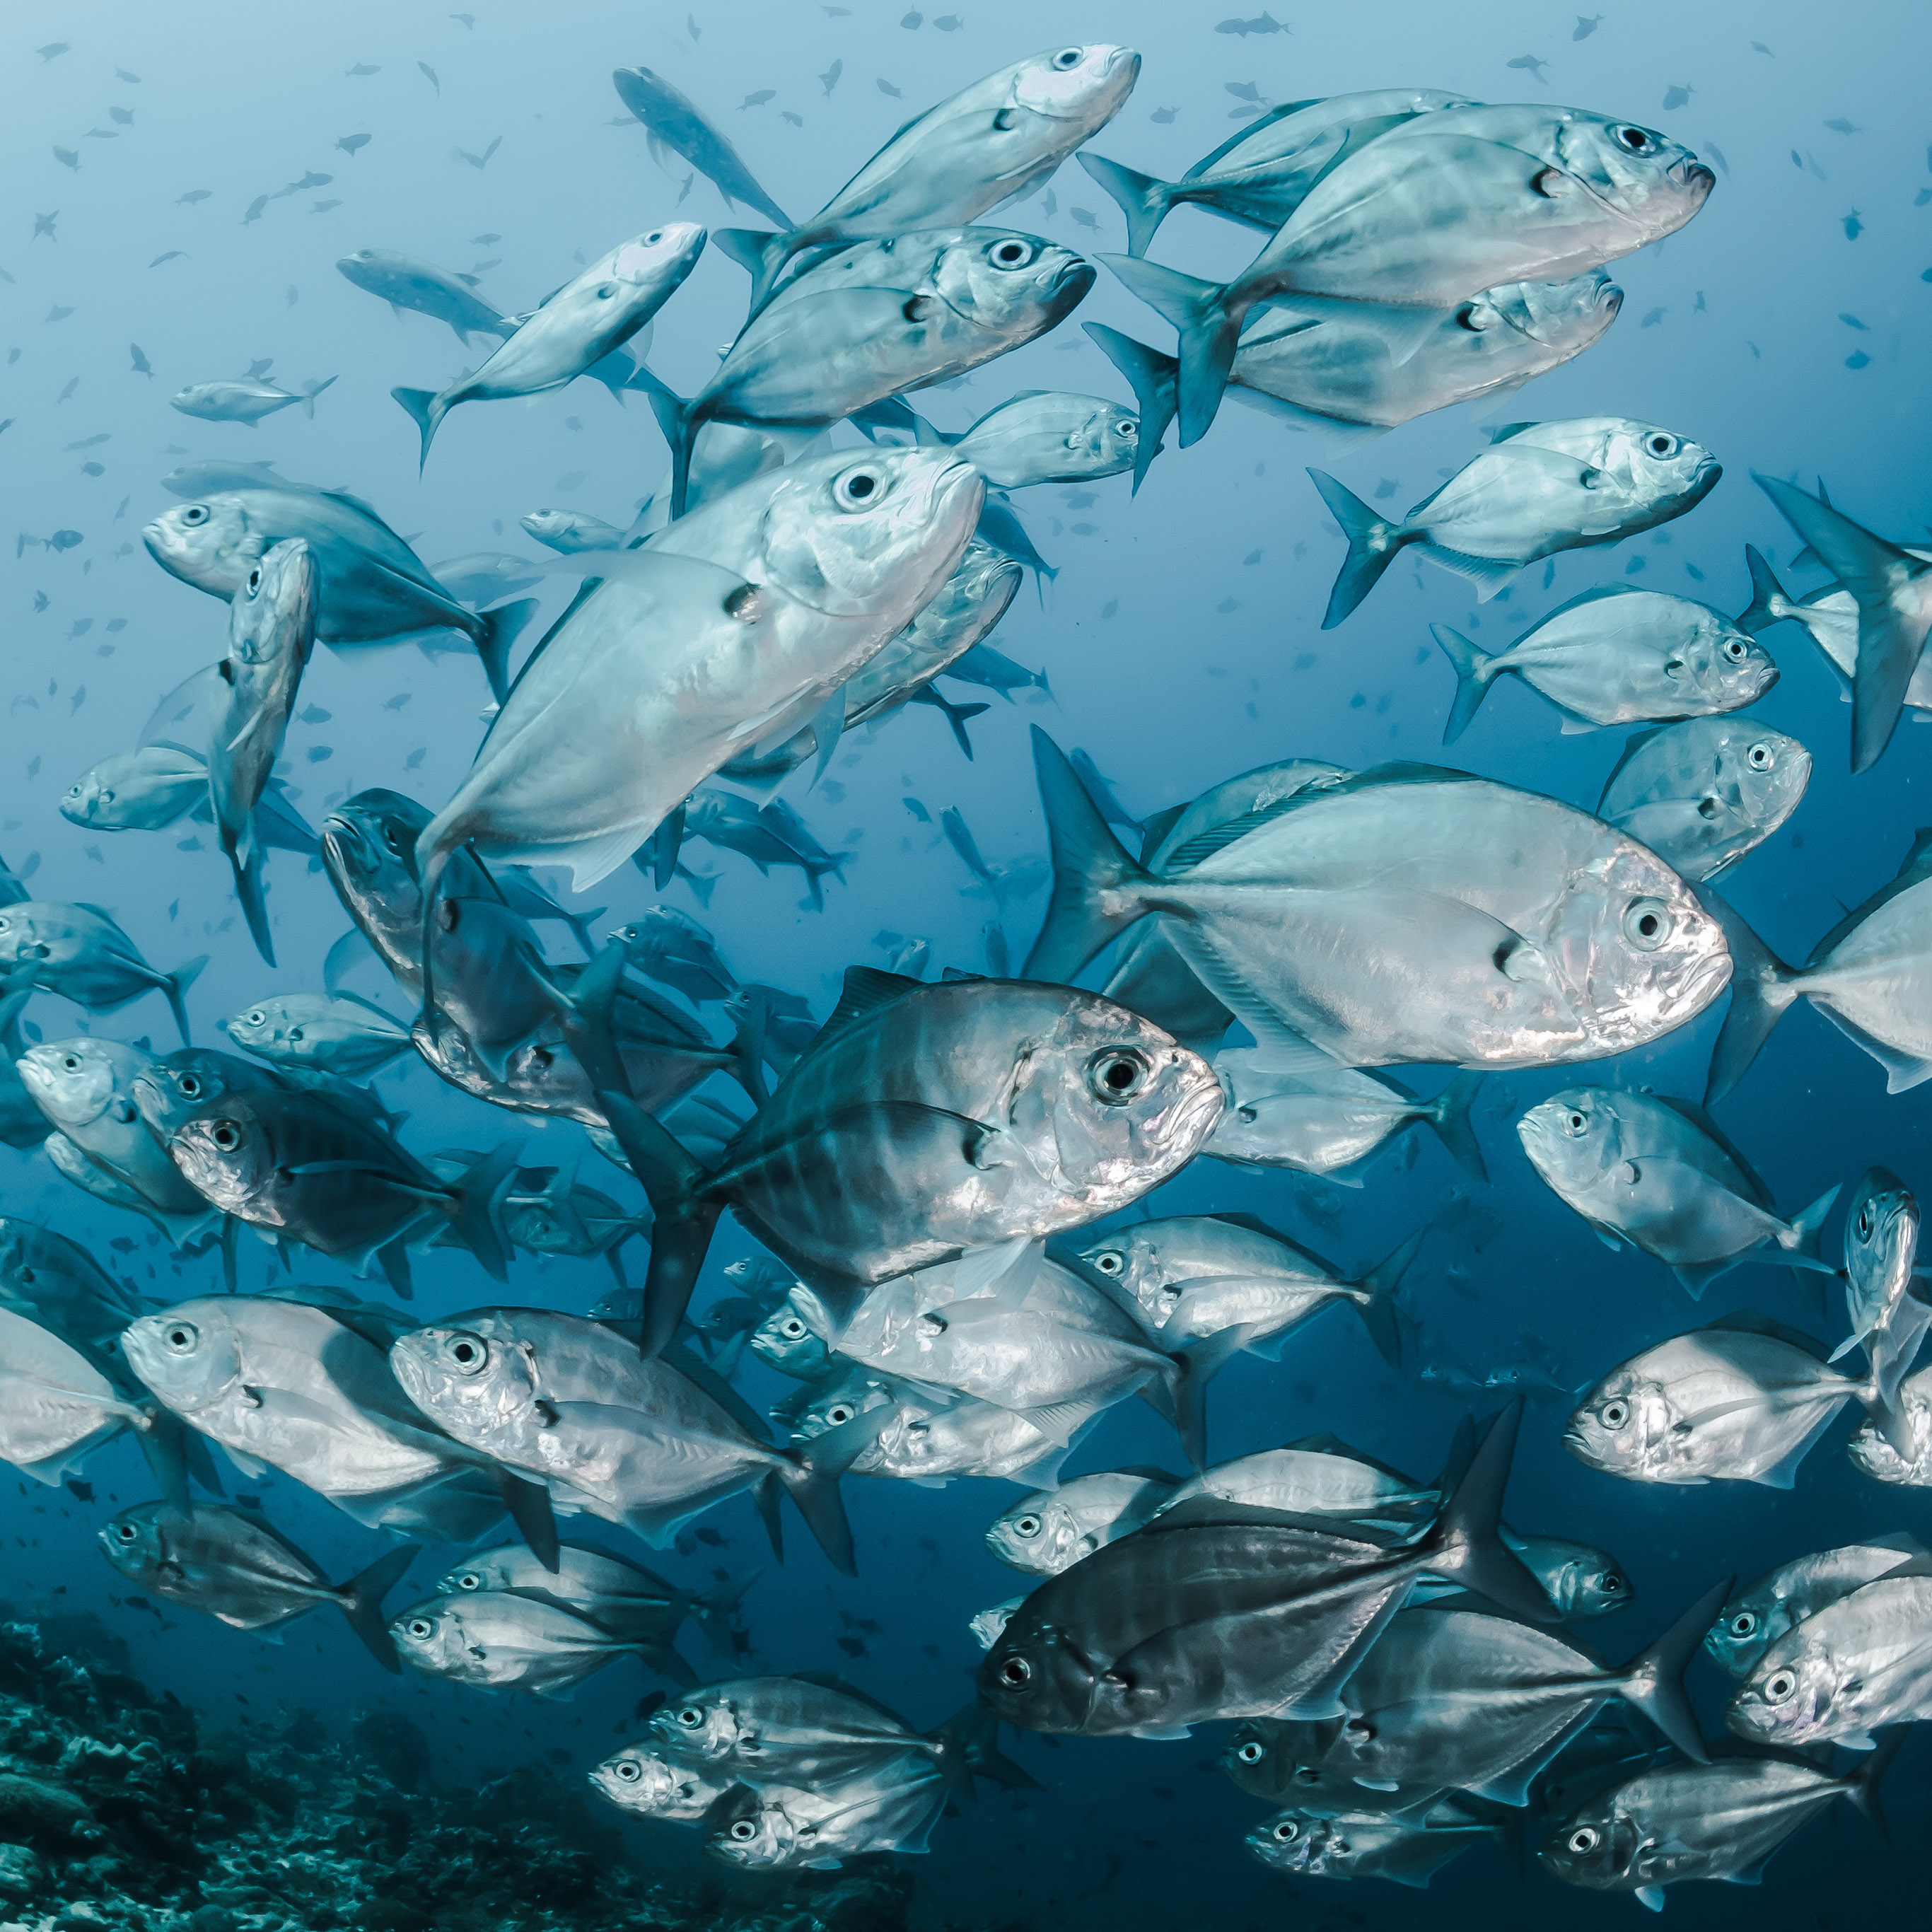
column 1786, row 329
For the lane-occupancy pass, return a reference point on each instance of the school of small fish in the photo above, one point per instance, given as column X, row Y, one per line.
column 949, row 1174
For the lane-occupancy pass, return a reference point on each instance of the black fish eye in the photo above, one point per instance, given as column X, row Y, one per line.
column 743, row 1830
column 1864, row 1224
column 1067, row 58
column 1013, row 253
column 125, row 1532
column 254, row 580
column 1779, row 1686
column 257, row 1017
column 181, row 1337
column 190, row 1087
column 1647, row 924
column 466, row 1353
column 469, row 1580
column 1287, row 1832
column 629, row 1769
column 1575, row 1123
column 1615, row 1414
column 225, row 1135
column 1758, row 756
column 1734, row 651
column 1583, row 1839
column 71, row 1061
column 1251, row 1753
column 792, row 1329
column 692, row 1716
column 1611, row 1583
column 1744, row 1624
column 653, row 237
column 420, row 1627
column 840, row 1411
column 195, row 513
column 1015, row 1673
column 1658, row 444
column 858, row 489
column 1116, row 1074
column 1111, row 1261
column 1027, row 1526
column 1636, row 140
column 1127, row 429
column 390, row 839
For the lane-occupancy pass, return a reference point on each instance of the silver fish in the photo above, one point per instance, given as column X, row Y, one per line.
column 796, row 1338
column 56, row 1403
column 403, row 282
column 673, row 122
column 570, row 531
column 176, row 1087
column 1049, row 435
column 245, row 400
column 1703, row 793
column 815, row 1828
column 930, row 1437
column 79, row 952
column 1889, row 1314
column 142, row 791
column 655, row 1784
column 1367, row 1844
column 494, row 1641
column 55, row 1281
column 985, row 1625
column 338, row 1032
column 1755, row 1619
column 482, row 577
column 672, row 948
column 1051, row 1530
column 1901, row 1453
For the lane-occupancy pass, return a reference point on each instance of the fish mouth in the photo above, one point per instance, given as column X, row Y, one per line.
column 1694, row 178
column 1577, row 1443
column 1073, row 281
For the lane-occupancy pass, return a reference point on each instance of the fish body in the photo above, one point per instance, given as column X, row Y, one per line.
column 1703, row 793
column 1050, row 436
column 79, row 952
column 1367, row 1844
column 405, row 283
column 1052, row 1530
column 672, row 119
column 672, row 948
column 1888, row 1315
column 55, row 1281
column 1758, row 1616
column 335, row 1032
column 817, row 1827
column 1317, row 1477
column 795, row 1339
column 1906, row 1462
column 246, row 401
column 140, row 790
column 178, row 1085
column 655, row 1784
column 570, row 532
column 56, row 1403
column 493, row 1640
column 624, row 1599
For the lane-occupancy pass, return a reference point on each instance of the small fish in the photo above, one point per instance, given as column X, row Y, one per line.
column 1529, row 63
column 173, row 255
column 429, row 73
column 353, row 144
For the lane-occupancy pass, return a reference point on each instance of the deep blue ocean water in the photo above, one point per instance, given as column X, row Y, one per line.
column 1786, row 328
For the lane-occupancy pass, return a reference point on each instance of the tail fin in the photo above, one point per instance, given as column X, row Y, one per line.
column 362, row 1603
column 1183, row 1398
column 1448, row 1114
column 1463, row 1544
column 968, row 1747
column 174, row 985
column 528, row 1504
column 750, row 1013
column 1090, row 867
column 248, row 888
column 1894, row 611
column 1372, row 544
column 680, row 428
column 681, row 1234
column 311, row 390
column 955, row 715
column 1654, row 1682
column 811, row 1478
column 1473, row 668
column 711, row 1610
column 1144, row 200
column 1208, row 329
column 704, row 884
column 1808, row 1228
column 665, row 843
column 1383, row 1284
column 760, row 253
column 1767, row 596
column 163, row 1443
column 496, row 632
column 427, row 410
column 1155, row 381
column 1862, row 1785
column 476, row 1212
column 1761, row 991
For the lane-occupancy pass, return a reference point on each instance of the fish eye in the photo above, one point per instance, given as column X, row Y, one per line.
column 653, row 237
column 792, row 1328
column 1659, row 445
column 1116, row 1074
column 1614, row 1414
column 1583, row 1839
column 1286, row 1832
column 743, row 1830
column 182, row 1338
column 467, row 1353
column 1575, row 1123
column 390, row 839
column 1111, row 1261
column 190, row 1086
column 1865, row 1222
column 629, row 1769
column 840, row 1411
column 70, row 1062
column 1760, row 757
column 1016, row 1673
column 1610, row 1583
column 1128, row 429
column 254, row 580
column 606, row 291
column 1647, row 924
column 1735, row 650
column 1014, row 252
column 469, row 1580
column 125, row 1532
column 420, row 1627
column 195, row 513
column 1744, row 1624
column 225, row 1135
column 1028, row 1526
column 858, row 489
column 1253, row 1752
column 1636, row 140
column 1779, row 1686
column 691, row 1716
column 257, row 1017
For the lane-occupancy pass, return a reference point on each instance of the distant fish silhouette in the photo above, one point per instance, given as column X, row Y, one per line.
column 67, row 158
column 141, row 364
column 1587, row 24
column 351, row 144
column 476, row 160
column 1678, row 97
column 829, row 79
column 194, row 195
column 430, row 73
column 1529, row 63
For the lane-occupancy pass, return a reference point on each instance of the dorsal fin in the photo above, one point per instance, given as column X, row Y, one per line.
column 1632, row 746
column 1749, row 1321
column 866, row 989
column 1689, row 1110
column 1205, row 844
column 1503, row 432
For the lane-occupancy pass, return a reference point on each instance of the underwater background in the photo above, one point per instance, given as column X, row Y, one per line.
column 1786, row 329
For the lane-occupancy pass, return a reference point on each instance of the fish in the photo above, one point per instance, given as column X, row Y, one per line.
column 796, row 1338
column 1888, row 1312
column 1618, row 655
column 271, row 627
column 338, row 1033
column 673, row 949
column 652, row 1783
column 989, row 143
column 144, row 790
column 931, row 1437
column 169, row 1090
column 1051, row 1530
column 374, row 586
column 1742, row 1400
column 1366, row 916
column 1214, row 1611
column 1901, row 1453
column 1867, row 976
column 403, row 282
column 245, row 401
column 1260, row 176
column 572, row 532
column 563, row 1218
column 234, row 1566
column 482, row 577
column 1320, row 1476
column 58, row 1403
column 1451, row 202
column 786, row 1828
column 1364, row 1844
column 670, row 119
column 769, row 598
column 498, row 1640
column 1703, row 793
column 1722, row 1820
column 765, row 837
column 79, row 952
column 1194, row 1275
column 646, row 1444
column 1660, row 1175
column 1050, row 436
column 1540, row 488
column 870, row 321
column 593, row 316
column 51, row 1280
column 1756, row 1617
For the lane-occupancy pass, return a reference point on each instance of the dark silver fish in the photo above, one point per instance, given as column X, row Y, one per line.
column 79, row 952
column 671, row 119
column 403, row 282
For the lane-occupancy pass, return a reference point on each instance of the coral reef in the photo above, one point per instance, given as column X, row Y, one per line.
column 120, row 1810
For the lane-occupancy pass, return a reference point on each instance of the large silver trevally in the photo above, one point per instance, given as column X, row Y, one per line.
column 374, row 589
column 1541, row 487
column 1741, row 1401
column 987, row 143
column 874, row 320
column 925, row 1122
column 776, row 1827
column 655, row 1783
column 79, row 952
column 271, row 633
column 1660, row 1175
column 231, row 1564
column 594, row 313
column 1052, row 1530
column 1754, row 1619
column 177, row 1086
column 1889, row 1314
column 1368, row 1844
column 57, row 1403
column 1871, row 976
column 336, row 1033
column 493, row 1640
column 1703, row 793
column 931, row 1436
column 1050, row 436
column 1375, row 917
column 1901, row 1453
column 1319, row 1476
column 1617, row 655
column 1433, row 210
column 760, row 606
column 403, row 282
column 141, row 790
column 245, row 400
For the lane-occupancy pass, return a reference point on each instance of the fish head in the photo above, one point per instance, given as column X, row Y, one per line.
column 271, row 616
column 32, row 933
column 430, row 1636
column 487, row 1570
column 758, row 1835
column 1597, row 1848
column 1036, row 1678
column 209, row 543
column 1104, row 441
column 639, row 1780
column 1586, row 1583
column 1763, row 773
column 263, row 1028
column 1253, row 1756
column 1573, row 1139
column 1881, row 1239
column 1086, row 85
column 794, row 1339
column 135, row 1542
column 1747, row 1627
column 190, row 1355
column 1013, row 284
column 183, row 1082
column 704, row 1724
column 1651, row 183
column 91, row 800
column 1133, row 1259
column 225, row 1151
column 369, row 845
column 1724, row 667
column 1622, row 1426
column 1793, row 1695
column 1104, row 1104
column 1038, row 1535
column 76, row 1082
column 1566, row 317
column 1299, row 1841
column 472, row 1376
column 368, row 268
column 868, row 535
column 1659, row 473
column 650, row 267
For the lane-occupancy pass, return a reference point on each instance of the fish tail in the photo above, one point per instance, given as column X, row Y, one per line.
column 476, row 1208
column 1473, row 668
column 1861, row 1787
column 955, row 715
column 684, row 1216
column 428, row 409
column 760, row 253
column 1892, row 621
column 164, row 1447
column 528, row 1503
column 249, row 889
column 1448, row 1114
column 1762, row 988
column 588, row 1012
column 811, row 1479
column 311, row 389
column 496, row 632
column 1144, row 200
column 1155, row 379
column 666, row 1660
column 679, row 423
column 713, row 1610
column 658, row 856
column 967, row 1746
column 175, row 986
column 1094, row 877
column 1209, row 329
column 1373, row 542
column 1182, row 1397
column 1382, row 1311
column 1654, row 1682
column 1463, row 1544
column 362, row 1603
column 393, row 1257
column 750, row 1014
column 702, row 884
column 1769, row 604
column 1807, row 1230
